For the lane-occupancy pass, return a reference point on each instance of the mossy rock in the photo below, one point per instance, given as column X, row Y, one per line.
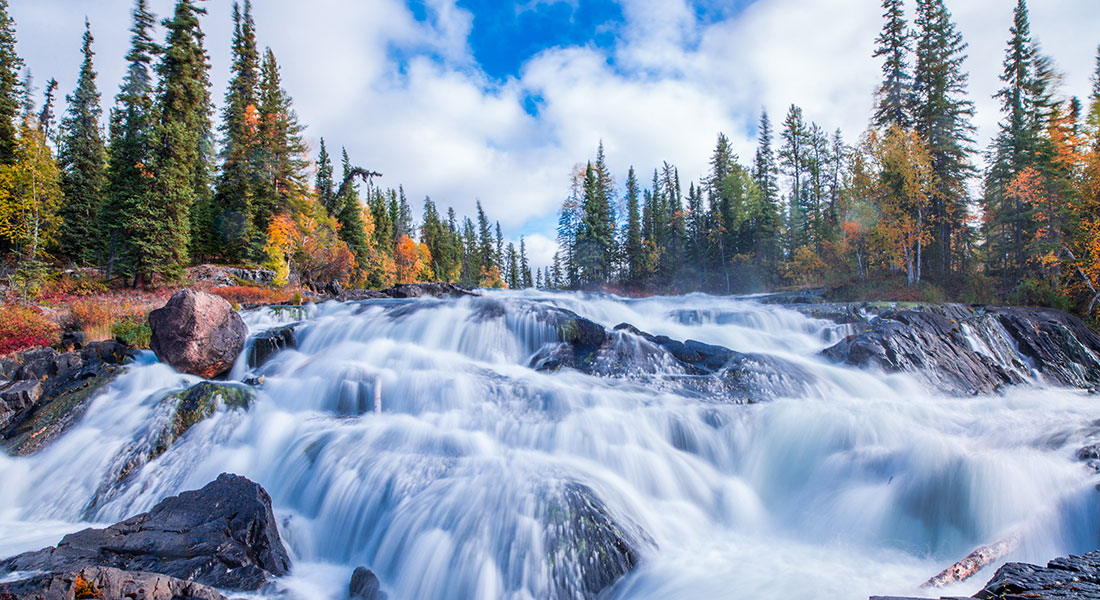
column 267, row 344
column 196, row 404
column 55, row 415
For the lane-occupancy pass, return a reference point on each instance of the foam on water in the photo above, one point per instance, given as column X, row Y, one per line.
column 871, row 486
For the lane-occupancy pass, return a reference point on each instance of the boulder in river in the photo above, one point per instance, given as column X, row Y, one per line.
column 197, row 333
column 223, row 536
column 365, row 585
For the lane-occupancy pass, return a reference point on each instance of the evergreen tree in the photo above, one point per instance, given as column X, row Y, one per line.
column 127, row 204
column 486, row 257
column 632, row 244
column 524, row 267
column 233, row 227
column 895, row 95
column 942, row 120
column 350, row 217
column 82, row 158
column 324, row 183
column 46, row 117
column 281, row 150
column 160, row 228
column 764, row 169
column 792, row 157
column 10, row 89
column 595, row 240
column 511, row 270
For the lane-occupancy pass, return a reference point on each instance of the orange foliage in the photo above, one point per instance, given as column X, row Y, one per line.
column 406, row 256
column 305, row 243
column 246, row 295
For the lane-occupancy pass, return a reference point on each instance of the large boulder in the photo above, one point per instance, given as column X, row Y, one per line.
column 365, row 585
column 197, row 333
column 223, row 535
column 105, row 582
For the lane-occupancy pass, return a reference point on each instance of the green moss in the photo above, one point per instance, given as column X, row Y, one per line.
column 196, row 404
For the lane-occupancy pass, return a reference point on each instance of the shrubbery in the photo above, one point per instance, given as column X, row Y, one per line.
column 22, row 328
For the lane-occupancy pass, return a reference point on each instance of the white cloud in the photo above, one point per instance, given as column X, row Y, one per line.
column 435, row 123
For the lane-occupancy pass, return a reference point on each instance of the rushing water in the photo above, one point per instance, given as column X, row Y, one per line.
column 869, row 486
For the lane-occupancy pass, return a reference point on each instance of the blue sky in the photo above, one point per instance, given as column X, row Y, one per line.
column 468, row 100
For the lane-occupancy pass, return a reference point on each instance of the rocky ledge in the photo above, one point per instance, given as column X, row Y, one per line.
column 967, row 349
column 1071, row 577
column 222, row 536
column 43, row 393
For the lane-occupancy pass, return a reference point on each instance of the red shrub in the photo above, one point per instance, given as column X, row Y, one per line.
column 22, row 328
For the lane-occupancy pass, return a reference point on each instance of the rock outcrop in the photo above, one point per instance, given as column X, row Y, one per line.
column 405, row 290
column 105, row 582
column 268, row 343
column 687, row 367
column 49, row 392
column 221, row 276
column 197, row 333
column 976, row 350
column 223, row 536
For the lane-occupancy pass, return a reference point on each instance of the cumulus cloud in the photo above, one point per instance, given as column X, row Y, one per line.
column 407, row 97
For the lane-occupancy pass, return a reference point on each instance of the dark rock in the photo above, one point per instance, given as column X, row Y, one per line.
column 268, row 343
column 365, row 585
column 198, row 403
column 105, row 582
column 197, row 333
column 1068, row 577
column 72, row 340
column 588, row 550
column 799, row 297
column 1089, row 452
column 223, row 536
column 435, row 290
column 222, row 276
column 17, row 397
column 67, row 383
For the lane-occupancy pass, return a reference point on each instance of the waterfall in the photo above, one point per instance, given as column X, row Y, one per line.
column 486, row 478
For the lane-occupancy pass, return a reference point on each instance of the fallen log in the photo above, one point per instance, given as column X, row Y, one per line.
column 974, row 562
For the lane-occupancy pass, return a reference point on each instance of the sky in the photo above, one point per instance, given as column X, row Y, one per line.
column 497, row 101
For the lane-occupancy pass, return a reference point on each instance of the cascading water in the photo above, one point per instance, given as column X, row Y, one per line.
column 481, row 474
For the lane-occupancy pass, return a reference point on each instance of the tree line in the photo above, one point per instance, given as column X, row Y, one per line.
column 160, row 189
column 810, row 209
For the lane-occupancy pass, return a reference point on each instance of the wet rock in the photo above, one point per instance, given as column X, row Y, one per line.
column 972, row 349
column 197, row 333
column 365, row 585
column 198, row 403
column 798, row 297
column 66, row 385
column 588, row 549
column 105, row 582
column 1067, row 577
column 223, row 536
column 270, row 342
column 8, row 367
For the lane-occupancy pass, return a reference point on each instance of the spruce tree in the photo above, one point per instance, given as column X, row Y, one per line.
column 161, row 228
column 793, row 156
column 10, row 88
column 281, row 150
column 764, row 168
column 350, row 218
column 46, row 117
column 895, row 95
column 524, row 266
column 232, row 219
column 511, row 268
column 324, row 183
column 126, row 205
column 632, row 244
column 596, row 233
column 942, row 120
column 82, row 158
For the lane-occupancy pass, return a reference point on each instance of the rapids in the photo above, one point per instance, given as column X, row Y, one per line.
column 870, row 485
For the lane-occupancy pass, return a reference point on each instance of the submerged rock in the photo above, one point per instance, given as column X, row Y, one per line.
column 365, row 585
column 52, row 391
column 270, row 342
column 197, row 333
column 105, row 582
column 223, row 536
column 974, row 350
column 588, row 550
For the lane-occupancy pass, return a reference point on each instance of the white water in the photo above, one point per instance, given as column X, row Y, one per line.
column 871, row 486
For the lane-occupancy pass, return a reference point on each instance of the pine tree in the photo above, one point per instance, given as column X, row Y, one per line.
column 486, row 257
column 10, row 89
column 160, row 228
column 82, row 158
column 764, row 169
column 942, row 120
column 511, row 270
column 595, row 245
column 129, row 176
column 46, row 117
column 793, row 160
column 350, row 217
column 895, row 95
column 233, row 227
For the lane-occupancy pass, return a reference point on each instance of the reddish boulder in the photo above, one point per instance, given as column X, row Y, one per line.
column 197, row 333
